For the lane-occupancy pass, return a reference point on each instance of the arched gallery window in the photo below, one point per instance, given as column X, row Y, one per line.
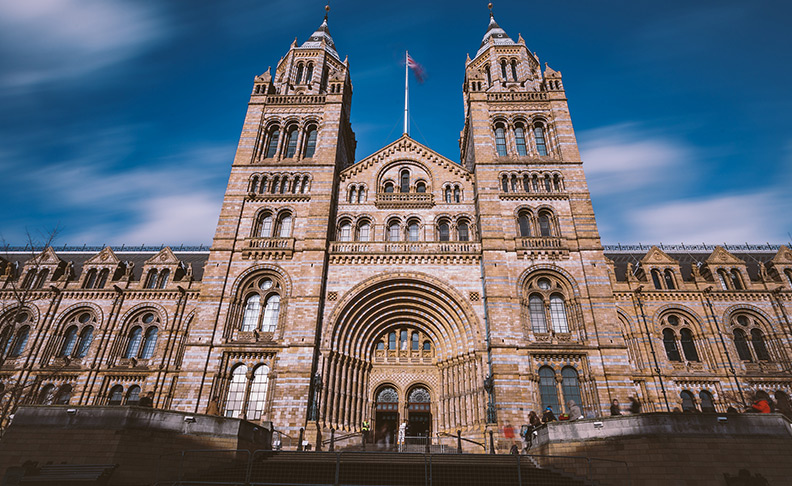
column 747, row 327
column 547, row 308
column 261, row 304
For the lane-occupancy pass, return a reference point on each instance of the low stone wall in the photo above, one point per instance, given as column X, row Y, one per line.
column 673, row 448
column 145, row 443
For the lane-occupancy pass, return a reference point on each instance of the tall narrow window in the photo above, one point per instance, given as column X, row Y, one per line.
column 28, row 282
column 448, row 195
column 403, row 340
column 412, row 231
column 514, row 69
column 500, row 140
column 457, row 195
column 526, row 183
column 272, row 146
column 420, row 187
column 393, row 231
column 688, row 403
column 462, row 229
column 548, row 185
column 102, row 280
column 250, row 316
column 525, row 225
column 669, row 279
column 298, row 79
column 688, row 346
column 271, row 311
column 757, row 339
column 489, row 76
column 84, row 343
column 539, row 136
column 151, row 279
column 503, row 69
column 557, row 183
column 236, row 392
column 656, row 280
column 20, row 341
column 310, row 142
column 707, row 405
column 741, row 344
column 558, row 317
column 116, row 395
column 519, row 136
column 723, row 279
column 284, row 226
column 442, row 231
column 392, row 340
column 389, row 187
column 505, row 184
column 548, row 390
column 736, row 280
column 291, row 143
column 135, row 335
column 265, row 230
column 364, row 232
column 788, row 274
column 133, row 395
column 537, row 311
column 345, row 231
column 415, row 342
column 352, row 194
column 64, row 395
column 570, row 385
column 514, row 183
column 670, row 344
column 149, row 343
column 405, row 182
column 42, row 278
column 258, row 393
column 544, row 225
column 309, row 73
column 69, row 341
column 163, row 278
column 90, row 279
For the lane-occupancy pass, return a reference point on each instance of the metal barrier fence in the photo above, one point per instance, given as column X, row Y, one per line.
column 269, row 468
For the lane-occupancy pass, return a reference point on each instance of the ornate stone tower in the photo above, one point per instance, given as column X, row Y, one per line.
column 549, row 302
column 253, row 342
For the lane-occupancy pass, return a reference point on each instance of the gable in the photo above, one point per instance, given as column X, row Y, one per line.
column 656, row 256
column 105, row 257
column 164, row 257
column 722, row 257
column 46, row 257
column 783, row 256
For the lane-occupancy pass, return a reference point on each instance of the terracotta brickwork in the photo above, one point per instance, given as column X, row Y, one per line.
column 404, row 285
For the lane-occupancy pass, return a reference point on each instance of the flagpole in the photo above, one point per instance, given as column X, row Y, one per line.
column 406, row 93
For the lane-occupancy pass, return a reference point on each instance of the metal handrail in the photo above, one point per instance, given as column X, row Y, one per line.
column 446, row 434
column 341, row 437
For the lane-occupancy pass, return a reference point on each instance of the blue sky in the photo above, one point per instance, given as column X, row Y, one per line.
column 119, row 119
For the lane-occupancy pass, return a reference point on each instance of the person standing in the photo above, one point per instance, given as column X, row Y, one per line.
column 635, row 406
column 402, row 434
column 365, row 429
column 615, row 409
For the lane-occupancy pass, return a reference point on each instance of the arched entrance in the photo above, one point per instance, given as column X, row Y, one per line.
column 419, row 412
column 386, row 415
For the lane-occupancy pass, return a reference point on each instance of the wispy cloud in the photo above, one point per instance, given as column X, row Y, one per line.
column 58, row 40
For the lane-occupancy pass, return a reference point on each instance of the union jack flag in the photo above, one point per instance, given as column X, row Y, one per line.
column 418, row 70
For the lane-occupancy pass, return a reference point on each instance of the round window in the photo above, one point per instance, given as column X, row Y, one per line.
column 22, row 317
column 148, row 318
column 265, row 284
column 673, row 320
column 85, row 317
column 742, row 320
column 543, row 284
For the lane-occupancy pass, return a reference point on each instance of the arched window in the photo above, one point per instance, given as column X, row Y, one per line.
column 519, row 136
column 20, row 341
column 788, row 273
column 28, row 282
column 236, row 392
column 345, row 231
column 505, row 183
column 514, row 183
column 250, row 316
column 265, row 225
column 757, row 339
column 258, row 393
column 64, row 395
column 403, row 340
column 457, row 194
column 412, row 231
column 514, row 69
column 537, row 311
column 133, row 395
column 558, row 317
column 526, row 183
column 427, row 346
column 135, row 335
column 69, row 341
column 489, row 75
column 544, row 225
column 405, row 181
column 284, row 225
column 387, row 395
column 393, row 231
column 535, row 182
column 271, row 311
column 310, row 141
column 688, row 402
column 539, row 136
column 309, row 73
column 688, row 346
column 503, row 69
column 670, row 344
column 570, row 385
column 272, row 146
column 291, row 142
column 557, row 183
column 656, row 279
column 380, row 345
column 442, row 231
column 669, row 279
column 149, row 343
column 389, row 187
column 500, row 139
column 415, row 343
column 548, row 388
column 707, row 405
column 741, row 344
column 420, row 187
column 151, row 279
column 102, row 281
column 723, row 279
column 42, row 278
column 86, row 337
column 163, row 278
column 298, row 78
column 47, row 395
column 548, row 185
column 736, row 280
column 6, row 337
column 392, row 341
column 448, row 197
column 116, row 395
column 364, row 231
column 525, row 224
column 462, row 229
column 90, row 279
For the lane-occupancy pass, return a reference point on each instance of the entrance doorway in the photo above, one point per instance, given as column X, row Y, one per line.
column 419, row 409
column 386, row 416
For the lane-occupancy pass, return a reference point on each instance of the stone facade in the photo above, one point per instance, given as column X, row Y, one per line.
column 401, row 286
